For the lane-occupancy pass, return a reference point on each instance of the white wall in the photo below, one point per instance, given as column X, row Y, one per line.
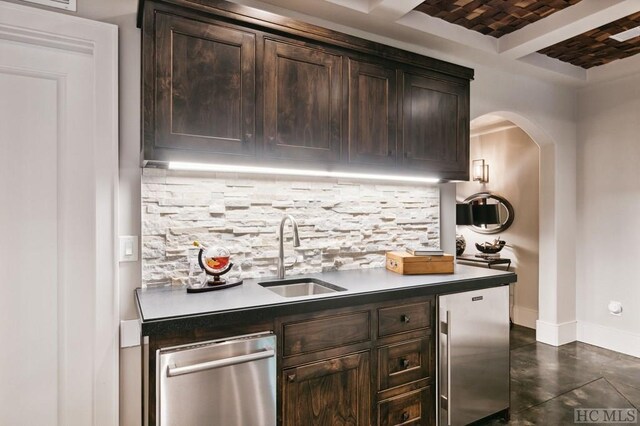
column 513, row 159
column 609, row 214
column 123, row 14
column 547, row 113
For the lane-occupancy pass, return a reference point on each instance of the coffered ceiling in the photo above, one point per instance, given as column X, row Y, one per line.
column 563, row 40
column 596, row 47
column 495, row 17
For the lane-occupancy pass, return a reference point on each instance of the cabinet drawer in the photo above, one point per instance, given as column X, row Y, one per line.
column 400, row 319
column 403, row 363
column 325, row 332
column 414, row 408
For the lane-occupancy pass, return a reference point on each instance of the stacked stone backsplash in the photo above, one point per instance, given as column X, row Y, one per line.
column 343, row 224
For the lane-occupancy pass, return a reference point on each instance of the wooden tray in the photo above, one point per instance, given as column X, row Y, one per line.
column 405, row 263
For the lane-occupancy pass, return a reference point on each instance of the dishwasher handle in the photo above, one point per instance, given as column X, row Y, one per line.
column 225, row 362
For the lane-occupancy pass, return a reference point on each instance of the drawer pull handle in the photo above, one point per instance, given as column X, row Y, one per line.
column 405, row 319
column 291, row 378
column 405, row 416
column 404, row 363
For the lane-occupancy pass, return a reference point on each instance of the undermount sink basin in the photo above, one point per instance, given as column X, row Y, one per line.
column 300, row 287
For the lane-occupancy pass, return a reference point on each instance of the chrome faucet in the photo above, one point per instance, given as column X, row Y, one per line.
column 296, row 242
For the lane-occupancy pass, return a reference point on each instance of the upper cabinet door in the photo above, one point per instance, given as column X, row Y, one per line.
column 435, row 126
column 302, row 102
column 373, row 112
column 205, row 89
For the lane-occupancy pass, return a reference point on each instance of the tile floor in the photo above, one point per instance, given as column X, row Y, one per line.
column 548, row 382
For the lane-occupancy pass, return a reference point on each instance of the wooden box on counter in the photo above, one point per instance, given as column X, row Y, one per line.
column 407, row 264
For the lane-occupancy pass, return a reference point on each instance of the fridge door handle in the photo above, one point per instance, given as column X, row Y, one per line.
column 225, row 362
column 445, row 399
column 449, row 367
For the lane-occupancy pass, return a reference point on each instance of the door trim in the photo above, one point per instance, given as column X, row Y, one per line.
column 100, row 40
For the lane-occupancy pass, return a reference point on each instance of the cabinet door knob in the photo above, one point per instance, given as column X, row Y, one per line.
column 404, row 363
column 390, row 153
column 405, row 416
column 272, row 139
column 405, row 318
column 247, row 137
column 291, row 378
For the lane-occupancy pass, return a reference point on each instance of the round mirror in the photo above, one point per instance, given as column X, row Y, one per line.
column 505, row 212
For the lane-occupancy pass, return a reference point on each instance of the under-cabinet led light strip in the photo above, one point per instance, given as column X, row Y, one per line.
column 202, row 167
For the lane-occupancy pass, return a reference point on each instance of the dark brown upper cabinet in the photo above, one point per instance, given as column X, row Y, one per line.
column 373, row 114
column 222, row 82
column 302, row 102
column 435, row 125
column 204, row 92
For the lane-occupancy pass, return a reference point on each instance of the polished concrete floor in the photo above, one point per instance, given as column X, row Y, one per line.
column 548, row 383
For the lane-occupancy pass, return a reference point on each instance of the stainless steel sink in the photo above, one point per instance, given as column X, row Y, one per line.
column 300, row 287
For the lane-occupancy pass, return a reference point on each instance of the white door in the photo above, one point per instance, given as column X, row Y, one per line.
column 58, row 171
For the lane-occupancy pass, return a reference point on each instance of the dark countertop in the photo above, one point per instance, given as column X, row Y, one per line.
column 172, row 308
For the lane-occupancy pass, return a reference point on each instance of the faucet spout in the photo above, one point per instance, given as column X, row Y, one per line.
column 296, row 242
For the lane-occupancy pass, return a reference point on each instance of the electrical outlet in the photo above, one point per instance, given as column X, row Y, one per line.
column 129, row 333
column 615, row 308
column 128, row 248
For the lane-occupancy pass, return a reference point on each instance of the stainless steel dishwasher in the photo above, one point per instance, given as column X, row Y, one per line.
column 473, row 378
column 230, row 382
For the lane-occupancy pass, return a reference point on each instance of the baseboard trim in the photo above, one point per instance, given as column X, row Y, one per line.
column 609, row 338
column 556, row 334
column 525, row 316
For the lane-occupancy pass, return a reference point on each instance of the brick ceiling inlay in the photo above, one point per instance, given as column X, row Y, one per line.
column 493, row 17
column 594, row 47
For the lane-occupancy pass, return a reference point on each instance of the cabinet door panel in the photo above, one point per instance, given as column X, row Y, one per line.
column 303, row 103
column 436, row 126
column 205, row 95
column 372, row 114
column 331, row 392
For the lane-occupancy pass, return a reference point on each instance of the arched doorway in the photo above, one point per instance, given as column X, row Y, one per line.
column 512, row 161
column 556, row 289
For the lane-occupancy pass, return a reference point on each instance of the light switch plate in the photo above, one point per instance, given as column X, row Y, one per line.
column 128, row 248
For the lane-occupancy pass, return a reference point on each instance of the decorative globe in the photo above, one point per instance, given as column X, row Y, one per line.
column 216, row 259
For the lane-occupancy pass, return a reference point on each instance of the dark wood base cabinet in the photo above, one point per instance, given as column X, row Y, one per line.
column 329, row 392
column 230, row 84
column 370, row 364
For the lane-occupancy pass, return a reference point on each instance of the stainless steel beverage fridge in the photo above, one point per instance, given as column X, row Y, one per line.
column 473, row 374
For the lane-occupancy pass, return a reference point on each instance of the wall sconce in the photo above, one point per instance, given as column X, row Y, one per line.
column 480, row 171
